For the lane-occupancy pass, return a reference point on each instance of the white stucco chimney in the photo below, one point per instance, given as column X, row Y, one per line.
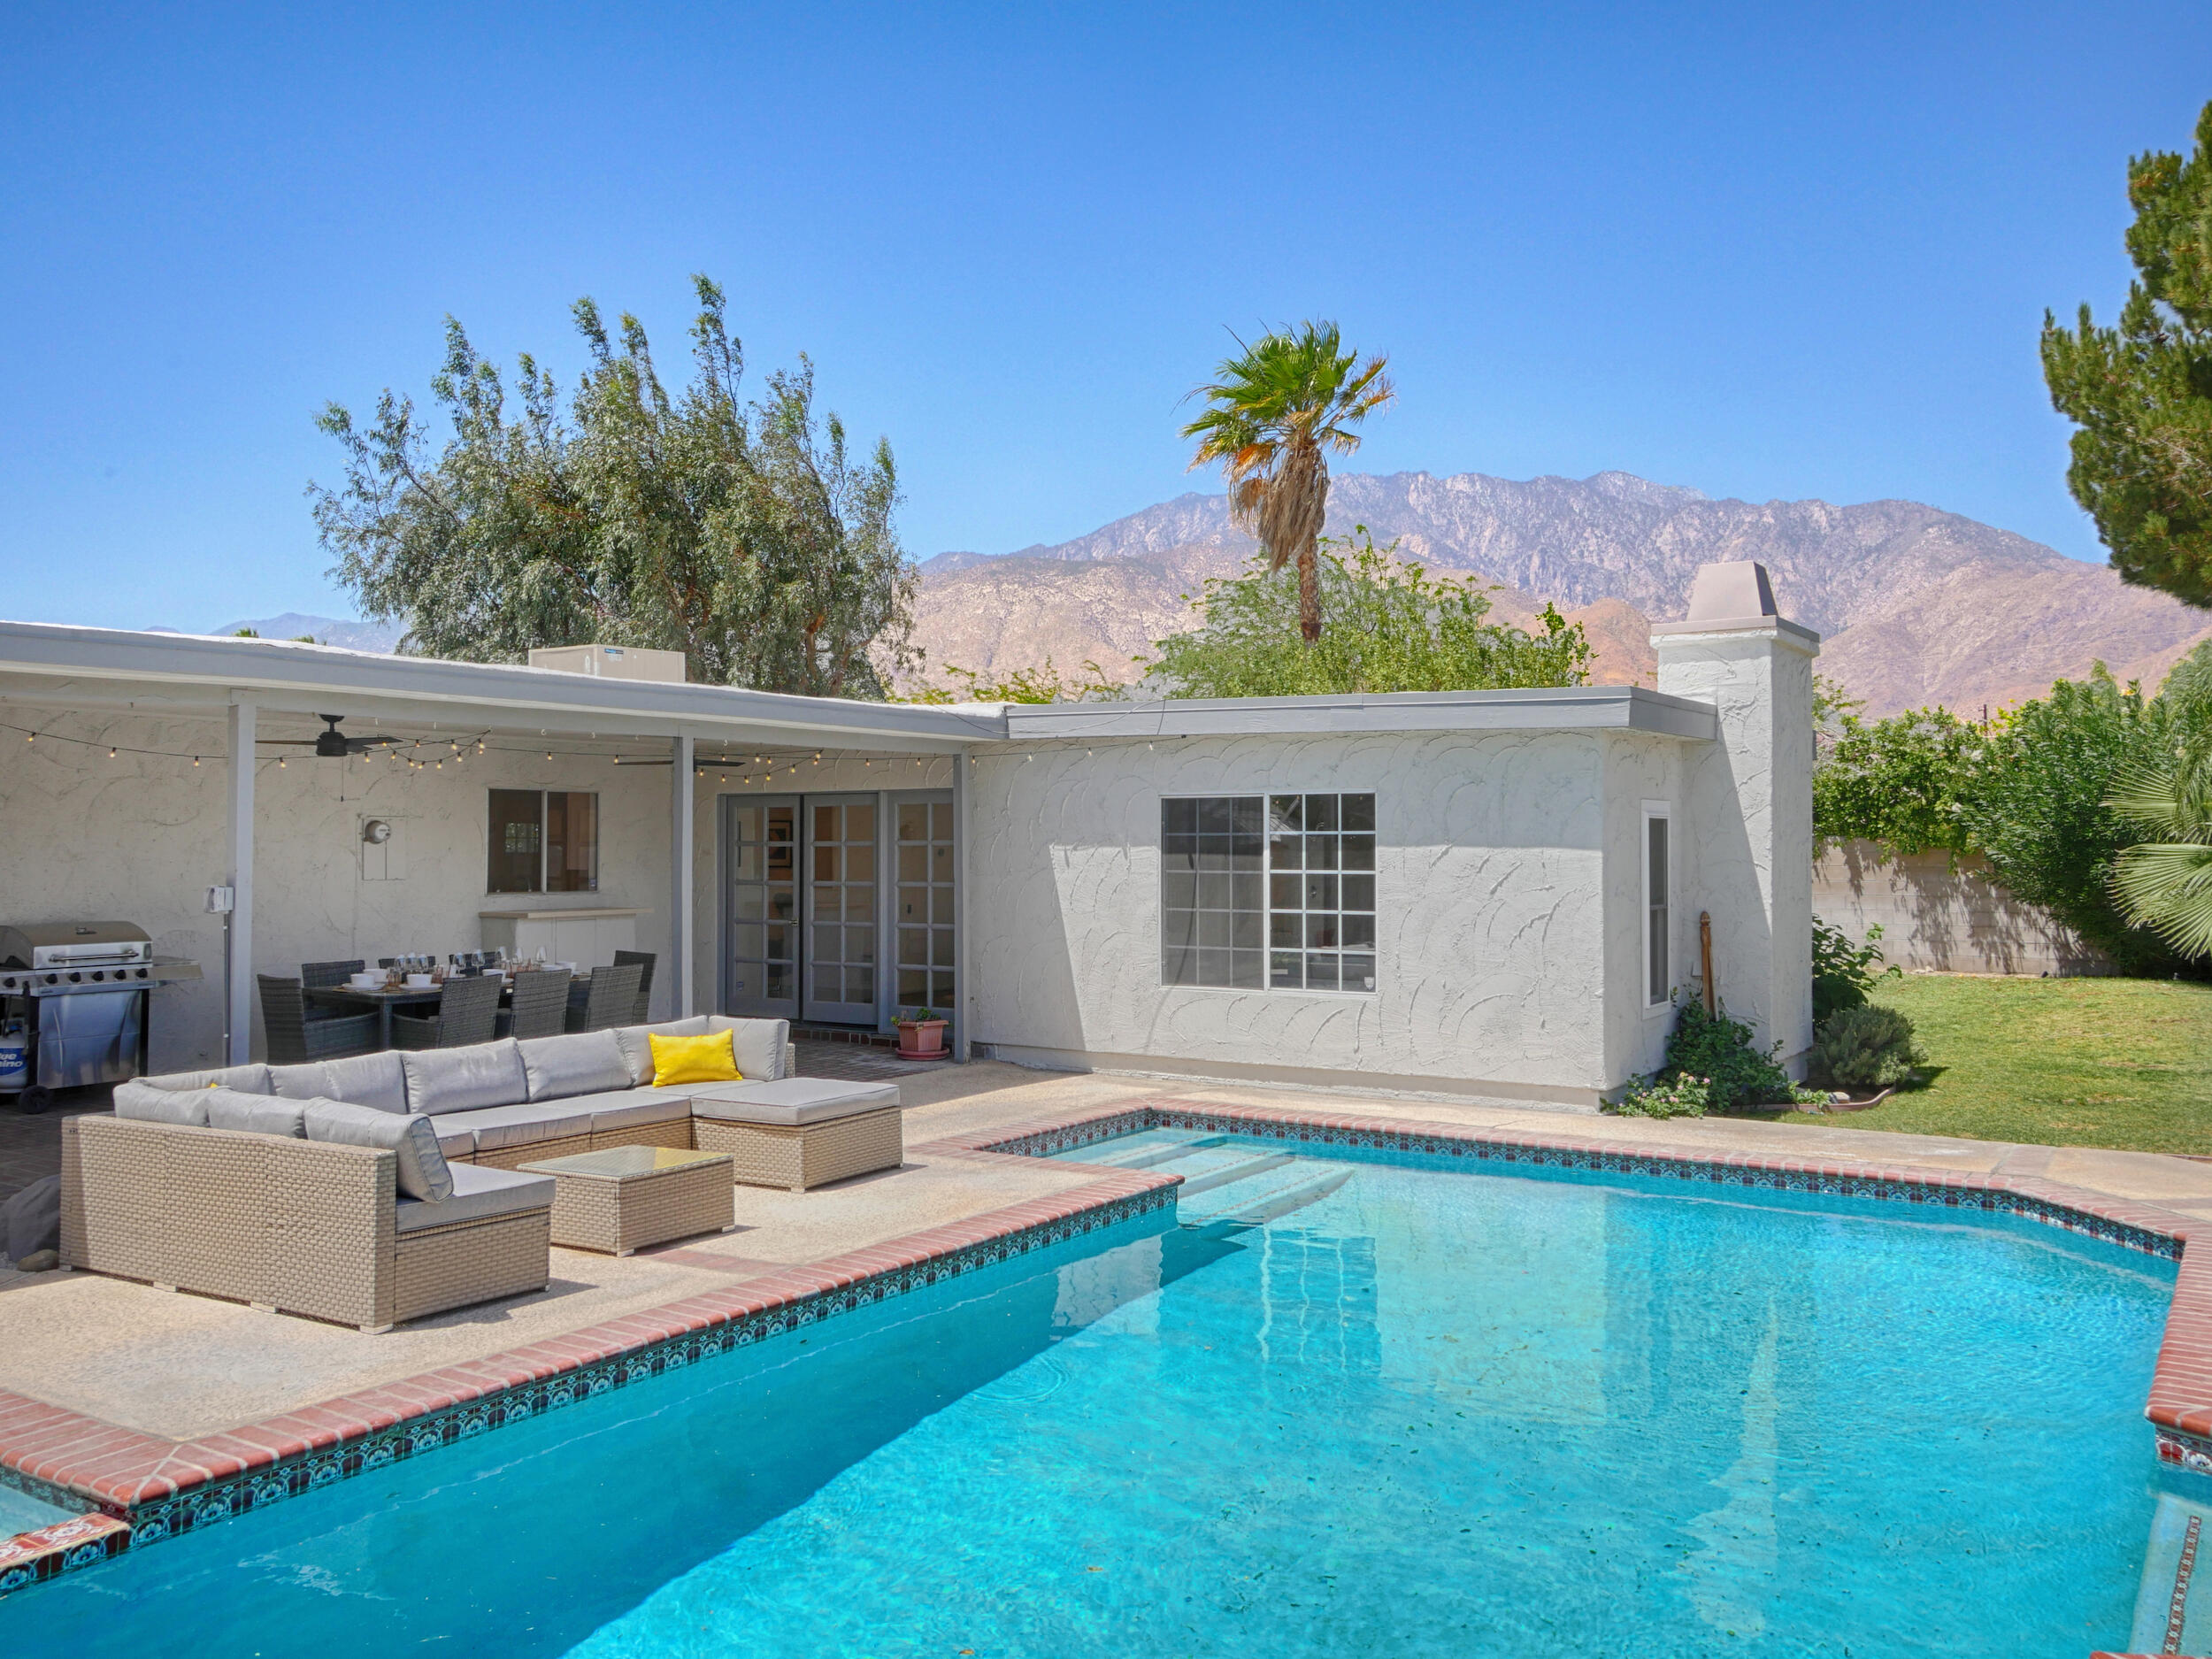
column 1750, row 795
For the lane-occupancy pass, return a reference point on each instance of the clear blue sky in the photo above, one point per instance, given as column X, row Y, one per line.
column 1772, row 251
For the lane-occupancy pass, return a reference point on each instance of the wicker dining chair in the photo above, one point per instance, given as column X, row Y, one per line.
column 644, row 959
column 540, row 1004
column 611, row 1000
column 317, row 974
column 468, row 1012
column 294, row 1038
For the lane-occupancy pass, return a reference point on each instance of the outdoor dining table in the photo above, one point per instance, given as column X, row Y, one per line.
column 384, row 999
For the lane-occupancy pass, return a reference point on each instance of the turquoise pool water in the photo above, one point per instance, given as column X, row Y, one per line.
column 1349, row 1407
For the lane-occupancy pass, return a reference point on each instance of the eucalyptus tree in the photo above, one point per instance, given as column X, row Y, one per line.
column 746, row 535
column 1272, row 413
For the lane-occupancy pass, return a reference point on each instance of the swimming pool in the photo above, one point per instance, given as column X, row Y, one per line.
column 1361, row 1404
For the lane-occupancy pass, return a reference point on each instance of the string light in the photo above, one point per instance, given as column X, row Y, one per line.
column 111, row 752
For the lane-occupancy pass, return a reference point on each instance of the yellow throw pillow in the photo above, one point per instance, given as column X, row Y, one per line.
column 707, row 1059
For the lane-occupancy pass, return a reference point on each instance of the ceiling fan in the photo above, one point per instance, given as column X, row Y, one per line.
column 334, row 744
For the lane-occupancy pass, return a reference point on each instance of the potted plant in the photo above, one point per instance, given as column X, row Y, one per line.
column 921, row 1034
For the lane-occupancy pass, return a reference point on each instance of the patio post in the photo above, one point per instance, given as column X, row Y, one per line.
column 963, row 998
column 238, row 853
column 679, row 856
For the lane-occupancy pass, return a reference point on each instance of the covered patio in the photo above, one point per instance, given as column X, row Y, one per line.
column 159, row 778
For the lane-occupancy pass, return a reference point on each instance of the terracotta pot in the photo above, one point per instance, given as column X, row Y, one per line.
column 921, row 1036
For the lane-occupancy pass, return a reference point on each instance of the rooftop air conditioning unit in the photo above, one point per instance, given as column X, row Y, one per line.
column 612, row 662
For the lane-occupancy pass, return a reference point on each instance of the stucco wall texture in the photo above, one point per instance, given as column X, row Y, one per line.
column 1509, row 893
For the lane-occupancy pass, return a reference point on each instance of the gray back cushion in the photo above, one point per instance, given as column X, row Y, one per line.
column 758, row 1044
column 311, row 1081
column 369, row 1079
column 255, row 1114
column 465, row 1080
column 637, row 1046
column 254, row 1079
column 148, row 1102
column 422, row 1167
column 585, row 1063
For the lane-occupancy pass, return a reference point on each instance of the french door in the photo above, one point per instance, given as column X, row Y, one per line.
column 761, row 918
column 838, row 907
column 840, row 983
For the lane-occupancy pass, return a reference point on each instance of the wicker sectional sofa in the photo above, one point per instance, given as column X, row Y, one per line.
column 384, row 1187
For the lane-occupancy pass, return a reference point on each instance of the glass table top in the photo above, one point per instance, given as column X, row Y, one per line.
column 614, row 1163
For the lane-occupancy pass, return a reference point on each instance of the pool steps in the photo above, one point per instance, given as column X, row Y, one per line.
column 1238, row 1179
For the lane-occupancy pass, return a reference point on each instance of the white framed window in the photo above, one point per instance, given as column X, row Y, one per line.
column 1271, row 892
column 1658, row 882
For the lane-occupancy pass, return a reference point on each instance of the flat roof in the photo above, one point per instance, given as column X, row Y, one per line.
column 299, row 677
column 1565, row 708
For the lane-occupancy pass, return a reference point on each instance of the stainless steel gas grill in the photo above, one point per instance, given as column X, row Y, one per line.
column 77, row 993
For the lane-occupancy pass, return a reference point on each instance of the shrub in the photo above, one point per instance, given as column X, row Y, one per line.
column 1904, row 782
column 2039, row 809
column 1868, row 1047
column 1843, row 973
column 1679, row 1097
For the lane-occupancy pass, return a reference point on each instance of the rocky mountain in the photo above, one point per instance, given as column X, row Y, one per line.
column 1916, row 604
column 292, row 625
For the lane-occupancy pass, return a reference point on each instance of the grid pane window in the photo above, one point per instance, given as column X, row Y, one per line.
column 925, row 939
column 1213, row 891
column 1321, row 892
column 1268, row 890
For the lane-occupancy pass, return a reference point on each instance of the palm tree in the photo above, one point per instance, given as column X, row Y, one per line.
column 1271, row 414
column 2165, row 883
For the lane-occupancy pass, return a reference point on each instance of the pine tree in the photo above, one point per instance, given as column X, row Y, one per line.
column 2141, row 393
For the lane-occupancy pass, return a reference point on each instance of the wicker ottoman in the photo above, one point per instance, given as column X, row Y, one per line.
column 621, row 1199
column 800, row 1131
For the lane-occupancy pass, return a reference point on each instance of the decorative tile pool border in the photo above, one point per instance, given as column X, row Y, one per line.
column 149, row 1489
column 33, row 1557
column 1922, row 1186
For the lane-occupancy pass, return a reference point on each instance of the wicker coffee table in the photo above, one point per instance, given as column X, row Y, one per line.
column 623, row 1198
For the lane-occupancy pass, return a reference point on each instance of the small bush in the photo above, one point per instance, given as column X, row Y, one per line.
column 1718, row 1050
column 1679, row 1097
column 1868, row 1047
column 1843, row 973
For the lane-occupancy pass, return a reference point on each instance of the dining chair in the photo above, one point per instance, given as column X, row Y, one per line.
column 540, row 1004
column 468, row 1012
column 644, row 959
column 611, row 1000
column 319, row 973
column 294, row 1038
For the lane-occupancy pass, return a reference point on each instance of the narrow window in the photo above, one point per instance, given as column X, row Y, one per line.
column 1213, row 904
column 543, row 842
column 1656, row 985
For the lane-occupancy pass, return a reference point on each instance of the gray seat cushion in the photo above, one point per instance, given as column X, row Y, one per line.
column 255, row 1114
column 759, row 1045
column 148, row 1104
column 254, row 1079
column 370, row 1080
column 31, row 1221
column 525, row 1126
column 586, row 1063
column 791, row 1100
column 465, row 1080
column 311, row 1081
column 423, row 1171
column 478, row 1194
column 632, row 1108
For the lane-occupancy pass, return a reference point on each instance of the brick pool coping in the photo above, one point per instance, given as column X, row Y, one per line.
column 143, row 1488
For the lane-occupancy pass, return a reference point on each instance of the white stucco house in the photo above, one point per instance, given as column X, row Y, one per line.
column 1483, row 894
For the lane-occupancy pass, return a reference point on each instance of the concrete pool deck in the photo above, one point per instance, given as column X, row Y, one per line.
column 143, row 1402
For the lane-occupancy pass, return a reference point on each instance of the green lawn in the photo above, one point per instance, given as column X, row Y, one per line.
column 2096, row 1062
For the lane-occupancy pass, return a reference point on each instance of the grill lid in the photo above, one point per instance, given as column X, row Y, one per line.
column 40, row 944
